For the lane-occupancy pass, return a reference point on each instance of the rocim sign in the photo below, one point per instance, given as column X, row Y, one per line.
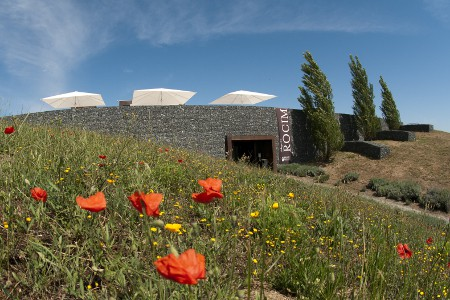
column 284, row 133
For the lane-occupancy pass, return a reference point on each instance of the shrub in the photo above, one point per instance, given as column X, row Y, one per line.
column 314, row 171
column 436, row 199
column 410, row 191
column 349, row 177
column 323, row 178
column 301, row 170
column 375, row 183
column 393, row 191
column 406, row 191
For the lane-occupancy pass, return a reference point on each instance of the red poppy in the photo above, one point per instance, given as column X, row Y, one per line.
column 180, row 161
column 150, row 201
column 185, row 269
column 102, row 156
column 211, row 184
column 206, row 197
column 9, row 130
column 211, row 187
column 448, row 265
column 430, row 241
column 403, row 251
column 101, row 165
column 167, row 149
column 38, row 194
column 94, row 203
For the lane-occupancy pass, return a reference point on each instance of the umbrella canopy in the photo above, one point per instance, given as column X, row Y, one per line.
column 242, row 97
column 74, row 99
column 160, row 97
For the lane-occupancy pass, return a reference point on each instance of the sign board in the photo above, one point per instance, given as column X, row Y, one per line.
column 285, row 136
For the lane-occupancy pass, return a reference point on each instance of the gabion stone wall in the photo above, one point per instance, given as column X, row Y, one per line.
column 369, row 149
column 418, row 127
column 201, row 128
column 396, row 135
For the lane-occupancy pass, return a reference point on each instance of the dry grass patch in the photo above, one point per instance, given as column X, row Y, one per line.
column 424, row 161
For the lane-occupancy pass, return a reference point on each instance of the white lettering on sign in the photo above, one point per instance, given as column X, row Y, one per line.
column 284, row 133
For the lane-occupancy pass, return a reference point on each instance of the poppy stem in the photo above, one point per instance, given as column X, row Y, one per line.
column 191, row 293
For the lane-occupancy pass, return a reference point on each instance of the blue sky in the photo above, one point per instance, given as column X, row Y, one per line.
column 214, row 47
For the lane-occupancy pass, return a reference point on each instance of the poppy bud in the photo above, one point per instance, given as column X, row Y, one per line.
column 332, row 278
column 158, row 223
column 233, row 220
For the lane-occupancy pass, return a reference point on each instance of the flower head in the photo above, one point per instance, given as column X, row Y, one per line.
column 206, row 197
column 275, row 205
column 150, row 201
column 429, row 241
column 173, row 227
column 211, row 184
column 94, row 203
column 404, row 251
column 291, row 195
column 211, row 190
column 186, row 268
column 9, row 130
column 102, row 156
column 38, row 194
column 254, row 214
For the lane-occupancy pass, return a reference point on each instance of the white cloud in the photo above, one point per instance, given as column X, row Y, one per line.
column 176, row 21
column 42, row 40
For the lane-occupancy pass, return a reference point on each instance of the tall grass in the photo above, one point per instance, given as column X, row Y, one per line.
column 268, row 231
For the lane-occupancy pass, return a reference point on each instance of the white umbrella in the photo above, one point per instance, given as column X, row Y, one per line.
column 242, row 97
column 160, row 97
column 74, row 99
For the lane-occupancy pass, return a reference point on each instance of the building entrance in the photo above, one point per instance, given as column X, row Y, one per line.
column 257, row 150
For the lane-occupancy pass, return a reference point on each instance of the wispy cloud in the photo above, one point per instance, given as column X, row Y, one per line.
column 44, row 39
column 175, row 21
column 440, row 9
column 48, row 38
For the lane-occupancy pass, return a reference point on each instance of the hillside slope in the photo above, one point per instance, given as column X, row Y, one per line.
column 425, row 161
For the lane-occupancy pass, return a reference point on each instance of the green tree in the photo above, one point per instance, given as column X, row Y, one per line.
column 390, row 112
column 316, row 99
column 363, row 107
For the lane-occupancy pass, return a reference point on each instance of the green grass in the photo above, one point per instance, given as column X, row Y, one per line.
column 318, row 244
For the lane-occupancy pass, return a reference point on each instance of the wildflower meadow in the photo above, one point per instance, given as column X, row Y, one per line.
column 85, row 215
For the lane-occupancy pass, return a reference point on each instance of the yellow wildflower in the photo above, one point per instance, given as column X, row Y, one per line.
column 254, row 214
column 173, row 227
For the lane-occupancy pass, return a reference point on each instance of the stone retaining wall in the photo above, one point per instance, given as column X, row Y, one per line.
column 201, row 128
column 396, row 135
column 369, row 149
column 417, row 127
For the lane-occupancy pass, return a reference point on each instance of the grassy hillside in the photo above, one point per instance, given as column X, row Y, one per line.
column 267, row 230
column 425, row 161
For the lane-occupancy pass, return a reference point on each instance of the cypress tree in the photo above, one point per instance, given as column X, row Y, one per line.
column 390, row 112
column 363, row 106
column 316, row 99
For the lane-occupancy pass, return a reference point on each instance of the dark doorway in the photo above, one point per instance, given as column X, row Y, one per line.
column 254, row 149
